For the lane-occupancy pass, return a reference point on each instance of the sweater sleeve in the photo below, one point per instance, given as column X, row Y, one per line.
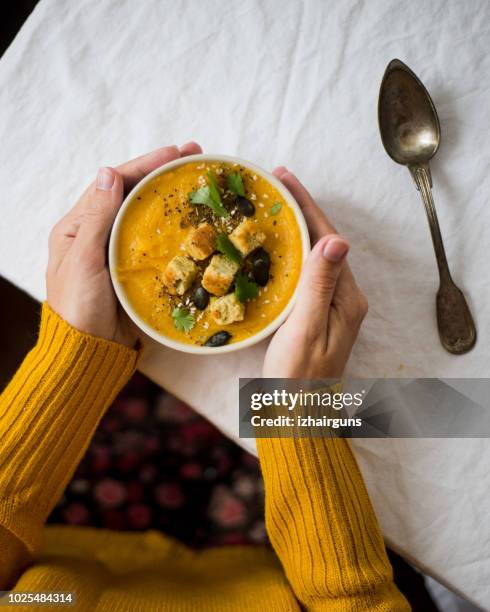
column 323, row 528
column 48, row 414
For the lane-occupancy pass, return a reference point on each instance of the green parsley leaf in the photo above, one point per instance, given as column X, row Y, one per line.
column 275, row 208
column 226, row 246
column 203, row 196
column 215, row 193
column 235, row 184
column 245, row 289
column 214, row 187
column 183, row 320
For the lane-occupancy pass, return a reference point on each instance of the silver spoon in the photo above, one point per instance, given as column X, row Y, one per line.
column 411, row 134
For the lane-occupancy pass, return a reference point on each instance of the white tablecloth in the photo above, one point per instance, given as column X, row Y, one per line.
column 284, row 82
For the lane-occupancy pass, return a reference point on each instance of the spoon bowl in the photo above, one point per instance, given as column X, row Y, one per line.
column 408, row 120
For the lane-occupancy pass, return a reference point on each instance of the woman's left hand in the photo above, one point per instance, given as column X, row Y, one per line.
column 78, row 283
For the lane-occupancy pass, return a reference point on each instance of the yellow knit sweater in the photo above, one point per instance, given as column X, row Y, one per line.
column 329, row 552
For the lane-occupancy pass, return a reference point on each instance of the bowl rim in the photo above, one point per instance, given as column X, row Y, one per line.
column 121, row 294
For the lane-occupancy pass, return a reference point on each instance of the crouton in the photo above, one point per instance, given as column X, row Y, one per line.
column 247, row 237
column 201, row 241
column 226, row 310
column 219, row 275
column 179, row 274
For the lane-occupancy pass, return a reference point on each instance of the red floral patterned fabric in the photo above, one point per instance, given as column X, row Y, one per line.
column 155, row 464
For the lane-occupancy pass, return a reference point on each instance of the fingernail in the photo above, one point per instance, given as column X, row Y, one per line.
column 335, row 250
column 191, row 143
column 280, row 171
column 105, row 179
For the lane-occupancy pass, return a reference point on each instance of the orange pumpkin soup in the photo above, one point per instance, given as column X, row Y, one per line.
column 208, row 253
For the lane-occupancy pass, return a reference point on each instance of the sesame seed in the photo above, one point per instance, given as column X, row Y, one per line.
column 261, row 205
column 266, row 196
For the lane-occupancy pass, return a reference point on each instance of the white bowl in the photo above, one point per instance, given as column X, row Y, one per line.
column 153, row 333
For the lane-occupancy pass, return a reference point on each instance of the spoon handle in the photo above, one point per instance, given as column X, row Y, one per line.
column 456, row 326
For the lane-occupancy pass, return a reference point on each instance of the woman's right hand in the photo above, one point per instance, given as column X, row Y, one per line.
column 317, row 338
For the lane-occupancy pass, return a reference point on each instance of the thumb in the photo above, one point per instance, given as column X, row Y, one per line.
column 100, row 208
column 318, row 282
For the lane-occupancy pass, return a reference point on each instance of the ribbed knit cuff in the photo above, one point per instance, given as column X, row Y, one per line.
column 323, row 527
column 48, row 414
